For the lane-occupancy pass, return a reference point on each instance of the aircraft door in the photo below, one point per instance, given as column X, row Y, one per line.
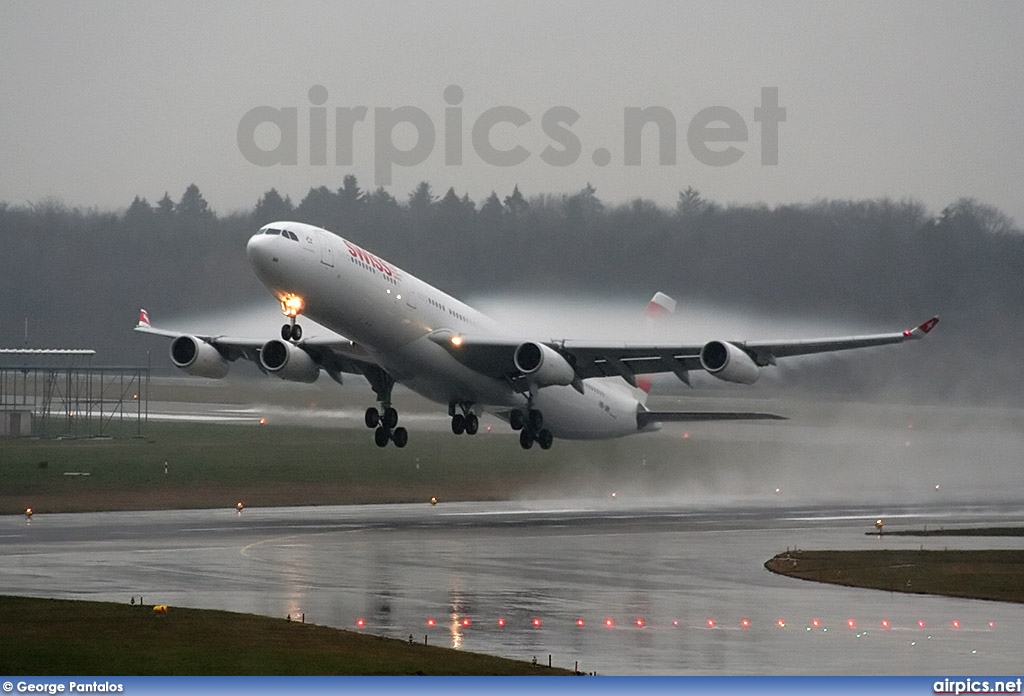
column 326, row 250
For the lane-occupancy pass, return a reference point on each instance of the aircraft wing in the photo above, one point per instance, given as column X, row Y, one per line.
column 334, row 355
column 495, row 357
column 645, row 418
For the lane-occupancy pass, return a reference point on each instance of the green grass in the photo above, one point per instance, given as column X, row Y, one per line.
column 211, row 466
column 995, row 575
column 60, row 637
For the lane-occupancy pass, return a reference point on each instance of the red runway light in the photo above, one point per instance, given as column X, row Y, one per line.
column 580, row 622
column 360, row 622
column 920, row 624
column 711, row 623
column 676, row 623
column 501, row 622
column 465, row 622
column 885, row 623
column 430, row 622
column 536, row 623
column 640, row 623
column 991, row 624
column 816, row 623
column 780, row 623
column 956, row 624
column 745, row 623
column 851, row 623
column 609, row 623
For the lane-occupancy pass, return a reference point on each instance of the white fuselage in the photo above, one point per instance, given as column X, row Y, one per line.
column 391, row 314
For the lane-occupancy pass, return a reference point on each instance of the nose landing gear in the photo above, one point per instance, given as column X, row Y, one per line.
column 291, row 331
column 291, row 306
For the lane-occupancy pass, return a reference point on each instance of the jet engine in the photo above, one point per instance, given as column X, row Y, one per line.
column 729, row 363
column 197, row 357
column 288, row 362
column 542, row 365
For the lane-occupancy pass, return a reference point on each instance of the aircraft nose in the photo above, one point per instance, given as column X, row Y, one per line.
column 260, row 252
column 256, row 247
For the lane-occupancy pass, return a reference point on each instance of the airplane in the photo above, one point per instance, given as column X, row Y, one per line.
column 400, row 329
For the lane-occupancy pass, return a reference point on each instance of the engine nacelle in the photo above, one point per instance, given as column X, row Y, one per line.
column 729, row 363
column 288, row 362
column 197, row 357
column 544, row 366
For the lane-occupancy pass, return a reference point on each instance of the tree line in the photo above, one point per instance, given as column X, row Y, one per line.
column 81, row 274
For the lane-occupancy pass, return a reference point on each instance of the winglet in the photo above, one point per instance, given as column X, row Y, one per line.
column 660, row 306
column 144, row 319
column 921, row 329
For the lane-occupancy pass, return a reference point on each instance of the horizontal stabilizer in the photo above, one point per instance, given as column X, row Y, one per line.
column 645, row 418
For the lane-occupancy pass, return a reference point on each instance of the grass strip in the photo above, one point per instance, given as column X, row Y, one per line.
column 995, row 575
column 61, row 637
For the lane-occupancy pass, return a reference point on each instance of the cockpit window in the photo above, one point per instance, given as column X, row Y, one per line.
column 273, row 231
column 290, row 235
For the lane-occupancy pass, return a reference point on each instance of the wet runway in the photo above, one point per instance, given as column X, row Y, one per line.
column 618, row 589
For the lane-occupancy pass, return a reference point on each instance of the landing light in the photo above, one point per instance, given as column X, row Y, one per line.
column 456, row 341
column 291, row 305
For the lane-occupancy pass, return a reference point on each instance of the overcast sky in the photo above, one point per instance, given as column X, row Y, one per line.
column 104, row 101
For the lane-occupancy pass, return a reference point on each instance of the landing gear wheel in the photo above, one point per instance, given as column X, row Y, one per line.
column 372, row 418
column 525, row 439
column 390, row 417
column 286, row 332
column 535, row 420
column 400, row 437
column 296, row 332
column 381, row 437
column 516, row 420
column 472, row 424
column 458, row 424
column 545, row 439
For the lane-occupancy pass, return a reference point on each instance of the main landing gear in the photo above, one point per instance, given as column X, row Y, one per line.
column 466, row 422
column 385, row 421
column 385, row 427
column 531, row 429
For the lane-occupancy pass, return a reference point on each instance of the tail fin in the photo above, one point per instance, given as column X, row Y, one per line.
column 660, row 306
column 144, row 319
